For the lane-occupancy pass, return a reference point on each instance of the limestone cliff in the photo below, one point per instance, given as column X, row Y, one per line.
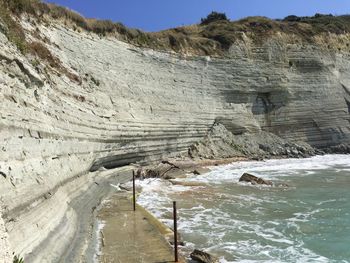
column 116, row 104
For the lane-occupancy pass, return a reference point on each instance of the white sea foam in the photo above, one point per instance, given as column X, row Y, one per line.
column 270, row 240
column 271, row 169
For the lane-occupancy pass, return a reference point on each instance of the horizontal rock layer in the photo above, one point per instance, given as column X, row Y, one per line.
column 135, row 105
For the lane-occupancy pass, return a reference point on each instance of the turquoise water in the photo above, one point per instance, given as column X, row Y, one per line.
column 309, row 221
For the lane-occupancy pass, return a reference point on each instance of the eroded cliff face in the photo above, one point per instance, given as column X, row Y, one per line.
column 136, row 105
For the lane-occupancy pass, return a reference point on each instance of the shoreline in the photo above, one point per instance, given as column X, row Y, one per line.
column 105, row 104
column 314, row 163
column 187, row 167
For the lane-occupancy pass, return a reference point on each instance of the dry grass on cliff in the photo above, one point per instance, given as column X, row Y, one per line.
column 218, row 36
column 39, row 50
column 42, row 52
column 212, row 38
column 15, row 33
column 43, row 10
column 11, row 28
column 101, row 27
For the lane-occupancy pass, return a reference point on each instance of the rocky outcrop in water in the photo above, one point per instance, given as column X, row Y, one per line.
column 116, row 104
column 249, row 178
column 203, row 257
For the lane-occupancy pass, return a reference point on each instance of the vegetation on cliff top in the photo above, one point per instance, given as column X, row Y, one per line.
column 213, row 36
column 213, row 17
column 11, row 27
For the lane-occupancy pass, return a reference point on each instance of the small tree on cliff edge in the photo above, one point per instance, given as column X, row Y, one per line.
column 214, row 16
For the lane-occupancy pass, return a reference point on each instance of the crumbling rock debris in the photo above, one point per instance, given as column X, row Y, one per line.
column 339, row 149
column 158, row 171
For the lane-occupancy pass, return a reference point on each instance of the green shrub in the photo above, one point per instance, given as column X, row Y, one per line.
column 292, row 18
column 214, row 16
column 323, row 23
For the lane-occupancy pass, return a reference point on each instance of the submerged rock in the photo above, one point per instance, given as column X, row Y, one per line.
column 246, row 177
column 203, row 257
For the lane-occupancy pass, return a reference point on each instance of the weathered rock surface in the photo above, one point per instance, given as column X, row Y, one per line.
column 5, row 251
column 203, row 257
column 249, row 178
column 221, row 143
column 339, row 149
column 160, row 170
column 137, row 105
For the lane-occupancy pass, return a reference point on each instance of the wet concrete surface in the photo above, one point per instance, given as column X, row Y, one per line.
column 131, row 237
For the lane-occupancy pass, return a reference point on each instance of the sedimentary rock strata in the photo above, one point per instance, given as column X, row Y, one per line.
column 129, row 104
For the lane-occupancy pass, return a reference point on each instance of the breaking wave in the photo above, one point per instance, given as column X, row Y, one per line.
column 307, row 222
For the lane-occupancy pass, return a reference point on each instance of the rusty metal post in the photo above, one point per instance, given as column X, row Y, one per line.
column 133, row 190
column 175, row 231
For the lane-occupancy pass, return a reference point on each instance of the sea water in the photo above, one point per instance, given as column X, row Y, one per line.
column 308, row 221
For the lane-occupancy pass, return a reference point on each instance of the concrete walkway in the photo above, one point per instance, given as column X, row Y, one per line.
column 130, row 236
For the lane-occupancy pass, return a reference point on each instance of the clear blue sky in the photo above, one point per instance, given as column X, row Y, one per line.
column 154, row 15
